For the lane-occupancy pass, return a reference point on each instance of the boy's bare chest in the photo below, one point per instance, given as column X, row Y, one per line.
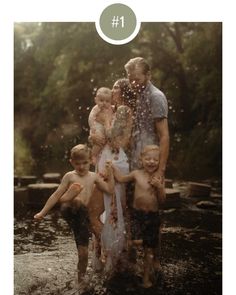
column 143, row 182
column 88, row 185
column 86, row 181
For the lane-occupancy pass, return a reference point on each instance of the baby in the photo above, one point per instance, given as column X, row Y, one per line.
column 100, row 119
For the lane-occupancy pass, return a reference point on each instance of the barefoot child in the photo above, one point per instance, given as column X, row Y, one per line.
column 148, row 195
column 74, row 194
column 100, row 118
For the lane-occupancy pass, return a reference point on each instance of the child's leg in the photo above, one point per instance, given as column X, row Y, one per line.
column 71, row 193
column 147, row 266
column 132, row 255
column 135, row 235
column 78, row 221
column 95, row 209
column 157, row 252
column 83, row 262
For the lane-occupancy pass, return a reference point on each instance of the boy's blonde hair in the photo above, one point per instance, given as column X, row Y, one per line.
column 148, row 148
column 104, row 91
column 80, row 152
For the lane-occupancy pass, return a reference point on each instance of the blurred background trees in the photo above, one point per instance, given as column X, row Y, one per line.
column 59, row 66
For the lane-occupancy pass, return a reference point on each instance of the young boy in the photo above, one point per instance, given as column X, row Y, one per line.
column 149, row 193
column 100, row 118
column 74, row 194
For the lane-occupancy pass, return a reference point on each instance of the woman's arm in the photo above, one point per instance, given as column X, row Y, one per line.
column 120, row 131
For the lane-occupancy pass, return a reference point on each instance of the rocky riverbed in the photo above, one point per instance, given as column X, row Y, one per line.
column 45, row 254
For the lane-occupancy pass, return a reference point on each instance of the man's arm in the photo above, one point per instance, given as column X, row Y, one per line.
column 164, row 142
column 160, row 187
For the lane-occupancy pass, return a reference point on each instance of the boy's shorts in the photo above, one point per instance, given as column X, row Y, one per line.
column 145, row 226
column 78, row 221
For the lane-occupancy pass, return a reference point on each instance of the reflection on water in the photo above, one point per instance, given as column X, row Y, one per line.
column 34, row 236
column 191, row 255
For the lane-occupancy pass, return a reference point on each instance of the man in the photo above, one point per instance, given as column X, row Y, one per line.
column 150, row 122
column 150, row 125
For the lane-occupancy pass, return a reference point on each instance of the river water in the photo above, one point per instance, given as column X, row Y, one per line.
column 191, row 255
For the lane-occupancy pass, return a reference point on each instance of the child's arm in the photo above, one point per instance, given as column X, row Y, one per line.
column 54, row 198
column 161, row 194
column 95, row 138
column 108, row 186
column 123, row 178
column 92, row 116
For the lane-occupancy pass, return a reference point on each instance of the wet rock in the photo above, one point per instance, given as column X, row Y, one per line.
column 197, row 189
column 20, row 198
column 206, row 205
column 168, row 183
column 172, row 198
column 16, row 180
column 216, row 196
column 27, row 179
column 40, row 192
column 188, row 267
column 52, row 177
column 47, row 272
column 216, row 183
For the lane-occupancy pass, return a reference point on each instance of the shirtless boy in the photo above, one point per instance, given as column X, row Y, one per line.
column 149, row 194
column 74, row 194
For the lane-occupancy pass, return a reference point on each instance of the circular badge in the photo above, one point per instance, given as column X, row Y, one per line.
column 117, row 24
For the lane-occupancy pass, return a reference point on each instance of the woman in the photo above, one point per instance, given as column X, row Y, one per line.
column 118, row 135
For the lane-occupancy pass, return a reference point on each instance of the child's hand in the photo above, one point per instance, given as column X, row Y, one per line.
column 38, row 216
column 108, row 164
column 108, row 167
column 156, row 182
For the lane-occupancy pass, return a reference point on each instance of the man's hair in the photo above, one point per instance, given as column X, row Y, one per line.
column 80, row 152
column 148, row 148
column 133, row 63
column 104, row 91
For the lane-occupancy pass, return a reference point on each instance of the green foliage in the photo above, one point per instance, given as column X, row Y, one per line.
column 24, row 163
column 59, row 66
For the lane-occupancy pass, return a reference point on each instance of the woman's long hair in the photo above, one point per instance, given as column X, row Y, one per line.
column 127, row 94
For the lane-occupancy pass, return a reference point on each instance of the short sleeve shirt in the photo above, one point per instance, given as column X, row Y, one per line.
column 151, row 105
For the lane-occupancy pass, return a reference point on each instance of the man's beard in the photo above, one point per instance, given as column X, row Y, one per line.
column 139, row 88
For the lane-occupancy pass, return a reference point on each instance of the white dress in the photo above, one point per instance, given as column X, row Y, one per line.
column 113, row 236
